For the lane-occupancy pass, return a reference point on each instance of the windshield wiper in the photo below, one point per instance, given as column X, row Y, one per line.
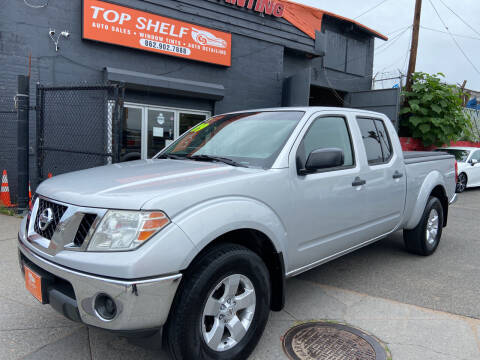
column 217, row 158
column 171, row 156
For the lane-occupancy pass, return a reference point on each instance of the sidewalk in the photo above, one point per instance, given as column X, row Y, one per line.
column 32, row 331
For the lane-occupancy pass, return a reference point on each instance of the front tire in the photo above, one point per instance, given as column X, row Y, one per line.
column 425, row 237
column 461, row 183
column 222, row 306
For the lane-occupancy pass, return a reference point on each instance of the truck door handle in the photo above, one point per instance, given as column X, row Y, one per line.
column 397, row 175
column 358, row 182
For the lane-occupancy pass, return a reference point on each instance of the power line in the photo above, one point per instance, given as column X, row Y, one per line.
column 454, row 39
column 387, row 45
column 444, row 32
column 402, row 28
column 371, row 9
column 402, row 57
column 461, row 19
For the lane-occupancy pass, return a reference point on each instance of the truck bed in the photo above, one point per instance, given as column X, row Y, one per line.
column 413, row 157
column 420, row 165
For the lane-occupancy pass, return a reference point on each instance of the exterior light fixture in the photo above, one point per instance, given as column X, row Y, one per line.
column 64, row 34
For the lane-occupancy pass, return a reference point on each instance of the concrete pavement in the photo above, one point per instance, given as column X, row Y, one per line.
column 447, row 281
column 29, row 330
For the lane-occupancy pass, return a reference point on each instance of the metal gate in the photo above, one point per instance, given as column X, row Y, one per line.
column 78, row 127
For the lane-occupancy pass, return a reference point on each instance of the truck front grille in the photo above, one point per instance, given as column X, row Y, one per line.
column 84, row 228
column 57, row 211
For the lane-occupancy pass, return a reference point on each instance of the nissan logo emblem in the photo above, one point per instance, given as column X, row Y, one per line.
column 45, row 219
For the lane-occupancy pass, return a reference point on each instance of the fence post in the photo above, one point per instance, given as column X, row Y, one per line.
column 119, row 95
column 23, row 108
column 38, row 109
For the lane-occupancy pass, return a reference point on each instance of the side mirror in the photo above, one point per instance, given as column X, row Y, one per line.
column 323, row 159
column 474, row 162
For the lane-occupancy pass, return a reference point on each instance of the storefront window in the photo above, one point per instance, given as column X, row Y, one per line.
column 188, row 121
column 161, row 128
column 149, row 129
column 132, row 134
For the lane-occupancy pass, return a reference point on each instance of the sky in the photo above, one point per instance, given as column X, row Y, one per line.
column 437, row 51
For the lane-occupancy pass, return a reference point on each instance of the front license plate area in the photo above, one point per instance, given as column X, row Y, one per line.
column 34, row 284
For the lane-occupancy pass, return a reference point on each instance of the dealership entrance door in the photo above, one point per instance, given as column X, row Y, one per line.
column 148, row 129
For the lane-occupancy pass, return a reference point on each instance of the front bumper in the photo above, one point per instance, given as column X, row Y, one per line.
column 141, row 304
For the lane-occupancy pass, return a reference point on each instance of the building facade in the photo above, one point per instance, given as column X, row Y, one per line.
column 181, row 61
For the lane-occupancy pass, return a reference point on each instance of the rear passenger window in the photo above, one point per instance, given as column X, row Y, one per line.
column 375, row 138
column 327, row 132
column 384, row 140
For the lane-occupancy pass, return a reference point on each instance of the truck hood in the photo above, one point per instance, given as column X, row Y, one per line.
column 130, row 185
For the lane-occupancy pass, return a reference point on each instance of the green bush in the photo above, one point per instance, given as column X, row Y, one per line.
column 434, row 110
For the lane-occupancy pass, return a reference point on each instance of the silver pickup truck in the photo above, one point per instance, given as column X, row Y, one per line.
column 199, row 240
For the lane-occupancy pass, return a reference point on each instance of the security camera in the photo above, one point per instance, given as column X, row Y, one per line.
column 57, row 38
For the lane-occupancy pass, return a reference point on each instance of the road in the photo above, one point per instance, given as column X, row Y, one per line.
column 447, row 281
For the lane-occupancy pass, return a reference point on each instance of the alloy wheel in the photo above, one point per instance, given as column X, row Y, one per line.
column 462, row 183
column 432, row 227
column 228, row 312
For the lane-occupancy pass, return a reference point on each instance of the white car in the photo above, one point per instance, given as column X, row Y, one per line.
column 468, row 159
column 203, row 37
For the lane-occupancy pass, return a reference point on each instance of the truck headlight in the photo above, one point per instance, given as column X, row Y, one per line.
column 126, row 230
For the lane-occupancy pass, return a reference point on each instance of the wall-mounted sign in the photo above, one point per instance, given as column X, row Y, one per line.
column 119, row 25
column 269, row 7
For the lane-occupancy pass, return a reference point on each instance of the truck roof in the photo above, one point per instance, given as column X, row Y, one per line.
column 312, row 109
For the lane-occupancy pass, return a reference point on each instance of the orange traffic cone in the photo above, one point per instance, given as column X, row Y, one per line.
column 29, row 196
column 5, row 190
column 50, row 175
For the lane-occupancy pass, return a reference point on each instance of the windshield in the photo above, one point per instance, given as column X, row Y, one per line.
column 251, row 139
column 460, row 155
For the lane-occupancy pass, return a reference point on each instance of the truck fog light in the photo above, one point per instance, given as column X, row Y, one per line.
column 105, row 307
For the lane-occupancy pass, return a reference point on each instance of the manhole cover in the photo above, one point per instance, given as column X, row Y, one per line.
column 327, row 341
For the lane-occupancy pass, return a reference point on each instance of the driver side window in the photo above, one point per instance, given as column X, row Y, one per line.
column 324, row 133
column 476, row 156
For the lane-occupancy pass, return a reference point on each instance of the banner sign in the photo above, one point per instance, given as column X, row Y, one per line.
column 119, row 25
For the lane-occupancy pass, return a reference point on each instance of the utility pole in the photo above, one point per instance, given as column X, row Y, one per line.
column 414, row 48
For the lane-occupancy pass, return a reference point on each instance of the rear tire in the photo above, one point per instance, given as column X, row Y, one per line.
column 425, row 237
column 207, row 322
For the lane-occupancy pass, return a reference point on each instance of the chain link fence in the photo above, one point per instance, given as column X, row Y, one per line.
column 8, row 143
column 474, row 116
column 77, row 127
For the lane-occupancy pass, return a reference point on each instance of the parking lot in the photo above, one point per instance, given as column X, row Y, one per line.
column 421, row 308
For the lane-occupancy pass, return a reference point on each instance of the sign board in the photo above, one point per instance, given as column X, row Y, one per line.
column 269, row 7
column 120, row 25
